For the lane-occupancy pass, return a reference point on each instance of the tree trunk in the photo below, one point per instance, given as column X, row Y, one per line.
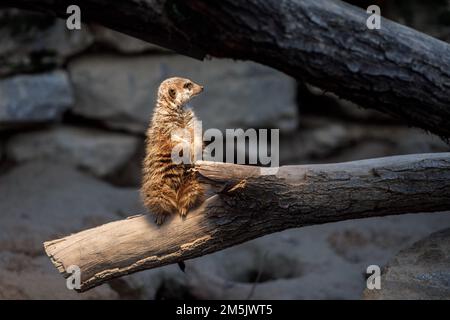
column 249, row 203
column 396, row 70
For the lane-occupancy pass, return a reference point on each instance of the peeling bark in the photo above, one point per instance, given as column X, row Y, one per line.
column 257, row 204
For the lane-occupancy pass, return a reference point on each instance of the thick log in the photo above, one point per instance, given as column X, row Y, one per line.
column 249, row 203
column 396, row 70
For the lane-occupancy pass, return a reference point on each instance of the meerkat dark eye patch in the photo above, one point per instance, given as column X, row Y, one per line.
column 172, row 93
column 188, row 85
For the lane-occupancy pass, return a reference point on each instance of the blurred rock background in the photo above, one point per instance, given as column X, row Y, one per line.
column 74, row 106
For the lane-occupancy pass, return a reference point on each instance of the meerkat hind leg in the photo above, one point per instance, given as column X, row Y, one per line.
column 190, row 194
column 160, row 213
column 163, row 204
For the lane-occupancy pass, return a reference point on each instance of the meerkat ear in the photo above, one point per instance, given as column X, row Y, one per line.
column 172, row 93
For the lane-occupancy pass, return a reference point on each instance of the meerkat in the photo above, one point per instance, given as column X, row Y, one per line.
column 168, row 187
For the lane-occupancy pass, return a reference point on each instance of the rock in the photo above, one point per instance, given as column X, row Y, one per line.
column 130, row 174
column 34, row 41
column 121, row 91
column 421, row 271
column 34, row 98
column 302, row 264
column 101, row 153
column 317, row 262
column 321, row 141
column 44, row 201
column 122, row 42
column 26, row 277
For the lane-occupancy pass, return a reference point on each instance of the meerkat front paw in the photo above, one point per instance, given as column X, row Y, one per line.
column 192, row 170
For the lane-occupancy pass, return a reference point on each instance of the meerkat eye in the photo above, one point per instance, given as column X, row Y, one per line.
column 172, row 93
column 188, row 85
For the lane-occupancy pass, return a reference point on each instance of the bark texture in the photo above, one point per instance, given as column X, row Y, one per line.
column 249, row 202
column 396, row 70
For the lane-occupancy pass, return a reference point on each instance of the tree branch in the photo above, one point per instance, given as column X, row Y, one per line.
column 248, row 203
column 396, row 70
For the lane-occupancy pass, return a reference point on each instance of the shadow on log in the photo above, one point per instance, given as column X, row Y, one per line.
column 261, row 201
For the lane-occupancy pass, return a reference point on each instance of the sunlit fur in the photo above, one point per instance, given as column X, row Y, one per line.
column 167, row 187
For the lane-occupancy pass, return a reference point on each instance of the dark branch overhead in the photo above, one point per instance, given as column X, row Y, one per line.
column 396, row 70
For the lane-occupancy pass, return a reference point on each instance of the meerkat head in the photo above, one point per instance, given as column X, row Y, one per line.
column 178, row 90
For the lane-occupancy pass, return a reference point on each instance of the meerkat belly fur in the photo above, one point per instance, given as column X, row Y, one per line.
column 168, row 187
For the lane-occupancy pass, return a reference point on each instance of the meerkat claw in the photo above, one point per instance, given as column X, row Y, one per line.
column 159, row 218
column 183, row 212
column 193, row 169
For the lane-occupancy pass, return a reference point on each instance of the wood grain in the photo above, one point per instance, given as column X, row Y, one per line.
column 248, row 204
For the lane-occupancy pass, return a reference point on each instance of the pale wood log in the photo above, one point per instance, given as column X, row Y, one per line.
column 248, row 204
